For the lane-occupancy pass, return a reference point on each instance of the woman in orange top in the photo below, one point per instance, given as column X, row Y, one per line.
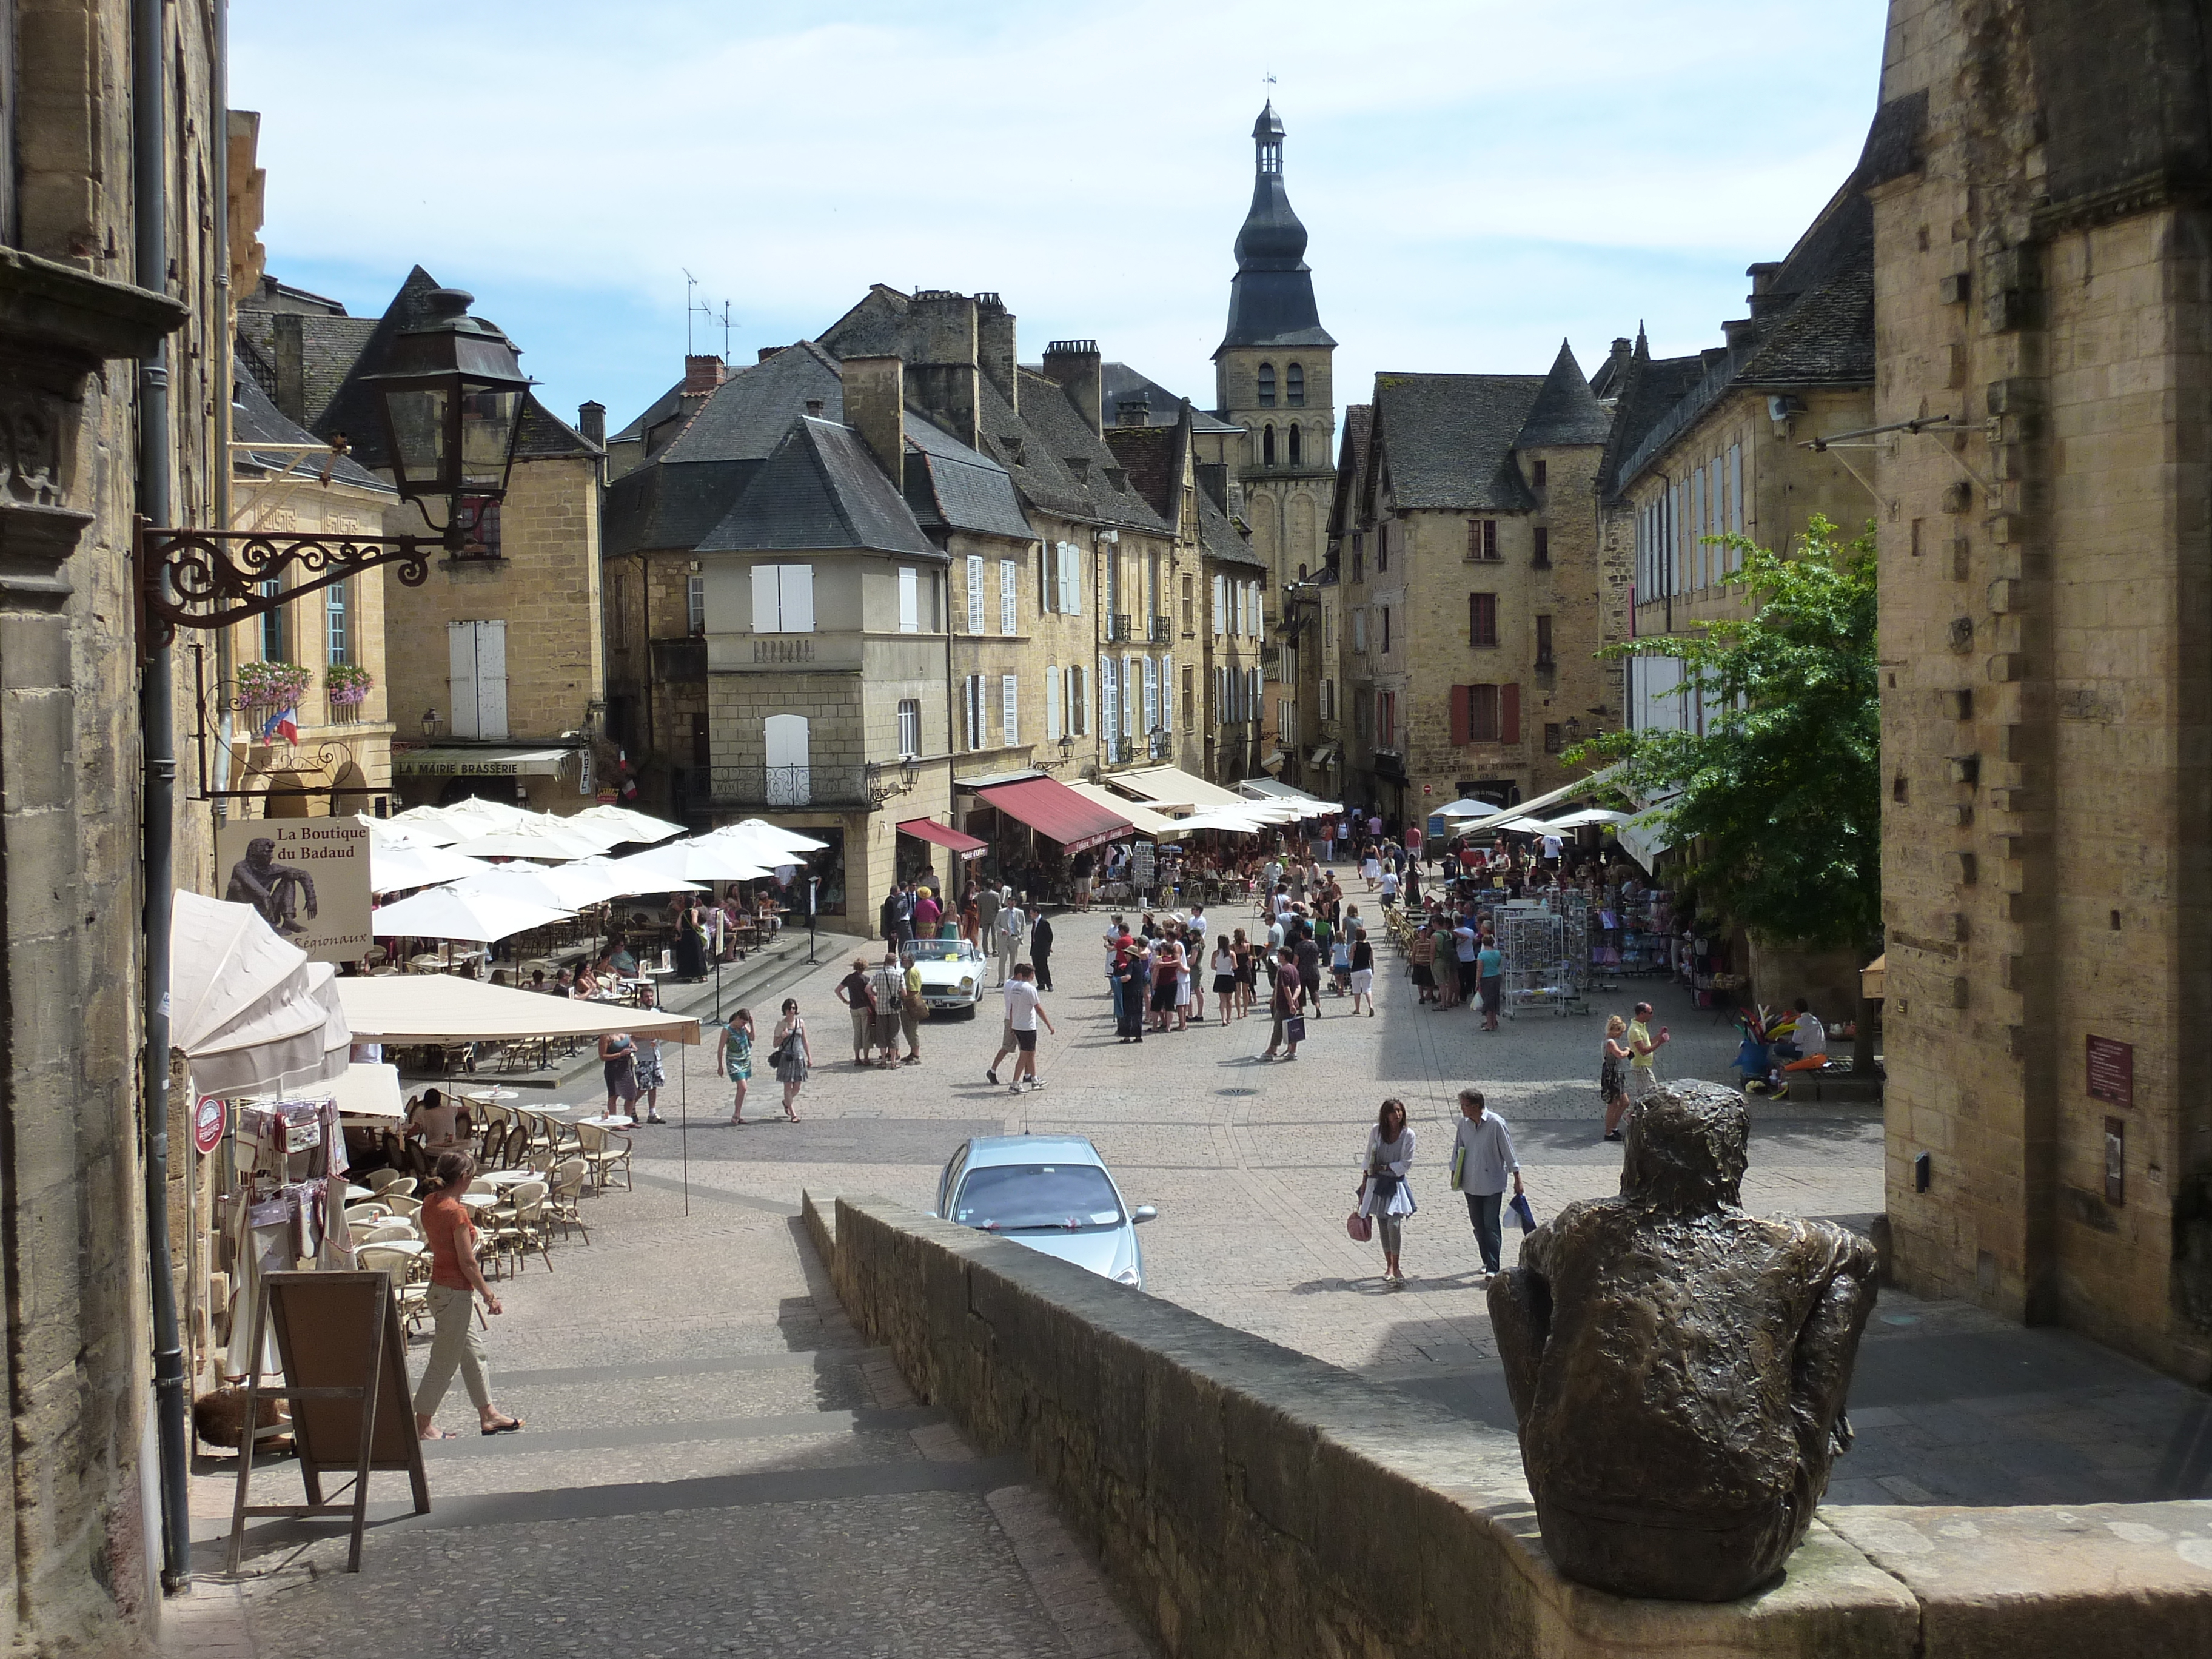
column 451, row 1233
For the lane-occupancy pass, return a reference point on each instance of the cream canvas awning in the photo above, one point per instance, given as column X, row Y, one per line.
column 480, row 762
column 1173, row 784
column 1147, row 821
column 442, row 1008
column 1503, row 815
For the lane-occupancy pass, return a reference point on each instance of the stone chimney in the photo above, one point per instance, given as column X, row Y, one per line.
column 592, row 422
column 1134, row 410
column 1624, row 350
column 767, row 352
column 994, row 348
column 875, row 407
column 1762, row 299
column 942, row 374
column 1073, row 365
column 702, row 374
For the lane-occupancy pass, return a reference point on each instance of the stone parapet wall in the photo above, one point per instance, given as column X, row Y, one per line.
column 1251, row 1500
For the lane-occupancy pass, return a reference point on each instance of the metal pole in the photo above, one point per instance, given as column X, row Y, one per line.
column 813, row 890
column 158, row 718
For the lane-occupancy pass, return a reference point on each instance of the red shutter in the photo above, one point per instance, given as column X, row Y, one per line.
column 1509, row 713
column 1459, row 725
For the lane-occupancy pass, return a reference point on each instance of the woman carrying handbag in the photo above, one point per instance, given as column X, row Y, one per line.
column 1385, row 1197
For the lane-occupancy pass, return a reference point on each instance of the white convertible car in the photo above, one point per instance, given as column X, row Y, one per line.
column 952, row 972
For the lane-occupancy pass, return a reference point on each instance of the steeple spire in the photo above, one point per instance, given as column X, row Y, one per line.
column 1271, row 298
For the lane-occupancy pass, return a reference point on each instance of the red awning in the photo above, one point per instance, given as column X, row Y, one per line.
column 1057, row 812
column 944, row 834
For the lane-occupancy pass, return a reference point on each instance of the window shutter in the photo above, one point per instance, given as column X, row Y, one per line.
column 1167, row 694
column 909, row 601
column 768, row 616
column 1078, row 699
column 1081, row 580
column 1052, row 705
column 1009, row 709
column 491, row 679
column 1109, row 698
column 1459, row 730
column 795, row 587
column 975, row 592
column 1010, row 589
column 1509, row 713
column 1151, row 672
column 461, row 678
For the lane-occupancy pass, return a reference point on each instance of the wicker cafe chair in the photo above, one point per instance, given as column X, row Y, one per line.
column 401, row 1204
column 377, row 1179
column 564, row 1195
column 517, row 1226
column 402, row 1266
column 605, row 1152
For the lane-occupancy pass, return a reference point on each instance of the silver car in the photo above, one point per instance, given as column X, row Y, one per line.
column 1051, row 1193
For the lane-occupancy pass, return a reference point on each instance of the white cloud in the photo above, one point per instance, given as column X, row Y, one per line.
column 1479, row 178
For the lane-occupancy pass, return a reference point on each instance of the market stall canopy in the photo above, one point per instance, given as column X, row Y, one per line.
column 944, row 835
column 247, row 1008
column 393, row 1008
column 1147, row 822
column 1871, row 977
column 1309, row 806
column 447, row 913
column 1246, row 818
column 395, row 866
column 1057, row 812
column 364, row 1090
column 1464, row 808
column 1590, row 815
column 1171, row 786
column 634, row 826
column 1589, row 785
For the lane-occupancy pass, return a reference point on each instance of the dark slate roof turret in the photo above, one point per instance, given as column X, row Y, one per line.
column 1271, row 299
column 1565, row 411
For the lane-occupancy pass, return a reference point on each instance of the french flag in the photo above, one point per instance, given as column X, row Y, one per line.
column 282, row 724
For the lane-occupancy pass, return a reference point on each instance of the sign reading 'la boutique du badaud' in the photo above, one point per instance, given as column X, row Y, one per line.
column 307, row 877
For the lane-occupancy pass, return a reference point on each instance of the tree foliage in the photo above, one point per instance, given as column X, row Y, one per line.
column 1778, row 804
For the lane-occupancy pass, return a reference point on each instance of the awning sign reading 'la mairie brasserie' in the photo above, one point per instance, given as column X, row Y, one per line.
column 481, row 762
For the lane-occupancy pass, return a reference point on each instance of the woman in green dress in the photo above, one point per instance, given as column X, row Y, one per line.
column 734, row 1052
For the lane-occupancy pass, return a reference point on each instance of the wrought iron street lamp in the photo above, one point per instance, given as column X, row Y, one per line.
column 431, row 722
column 450, row 402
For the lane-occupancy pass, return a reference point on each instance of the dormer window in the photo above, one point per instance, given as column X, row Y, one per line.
column 1266, row 386
column 1295, row 385
column 1268, row 446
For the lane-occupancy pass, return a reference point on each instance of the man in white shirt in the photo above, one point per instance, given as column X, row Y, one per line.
column 1812, row 1041
column 1552, row 846
column 1025, row 1008
column 1482, row 1157
column 1014, row 931
column 1270, row 873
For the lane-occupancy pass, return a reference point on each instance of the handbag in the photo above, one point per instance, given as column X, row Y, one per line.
column 1294, row 1029
column 1360, row 1227
column 1526, row 1216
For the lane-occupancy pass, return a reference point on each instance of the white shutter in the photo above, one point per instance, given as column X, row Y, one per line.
column 975, row 592
column 461, row 678
column 784, row 746
column 767, row 614
column 1078, row 700
column 795, row 585
column 1109, row 698
column 909, row 601
column 1167, row 694
column 1009, row 709
column 1152, row 694
column 1010, row 588
column 491, row 679
column 1052, row 727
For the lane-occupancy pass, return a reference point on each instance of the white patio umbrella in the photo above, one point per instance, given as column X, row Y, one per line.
column 688, row 861
column 426, row 824
column 1226, row 817
column 762, row 829
column 634, row 826
column 559, row 887
column 1465, row 809
column 248, row 1008
column 476, row 810
column 445, row 913
column 541, row 839
column 394, row 866
column 628, row 884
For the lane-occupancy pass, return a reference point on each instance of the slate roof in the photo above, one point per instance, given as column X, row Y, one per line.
column 255, row 418
column 329, row 346
column 1446, row 441
column 1649, row 388
column 747, row 415
column 821, row 490
column 1826, row 338
column 1271, row 298
column 658, row 507
column 1152, row 460
column 1122, row 382
column 1219, row 536
column 1565, row 412
column 1351, row 467
column 1036, row 445
column 662, row 408
column 874, row 327
column 951, row 487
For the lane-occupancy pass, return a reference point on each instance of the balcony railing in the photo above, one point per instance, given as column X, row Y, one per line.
column 679, row 659
column 1118, row 750
column 1162, row 630
column 1118, row 631
column 789, row 786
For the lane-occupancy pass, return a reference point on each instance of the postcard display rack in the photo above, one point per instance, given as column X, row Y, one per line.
column 1540, row 962
column 1645, row 923
column 286, row 1210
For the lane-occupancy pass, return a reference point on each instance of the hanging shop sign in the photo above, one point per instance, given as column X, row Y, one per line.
column 208, row 1120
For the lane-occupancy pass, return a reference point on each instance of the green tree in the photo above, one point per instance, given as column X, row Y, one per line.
column 1779, row 803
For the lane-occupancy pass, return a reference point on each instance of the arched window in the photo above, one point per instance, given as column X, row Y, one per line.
column 1266, row 386
column 1268, row 446
column 1294, row 443
column 1295, row 385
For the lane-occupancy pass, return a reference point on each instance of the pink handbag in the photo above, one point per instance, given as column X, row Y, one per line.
column 1360, row 1227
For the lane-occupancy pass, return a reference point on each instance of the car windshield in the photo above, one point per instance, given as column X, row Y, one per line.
column 1014, row 1198
column 937, row 949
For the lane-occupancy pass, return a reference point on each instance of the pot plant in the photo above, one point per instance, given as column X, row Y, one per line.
column 347, row 685
column 271, row 684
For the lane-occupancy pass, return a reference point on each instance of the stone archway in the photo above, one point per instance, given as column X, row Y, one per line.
column 287, row 797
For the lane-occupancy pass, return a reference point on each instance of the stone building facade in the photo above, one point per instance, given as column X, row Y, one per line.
column 499, row 684
column 2038, row 183
column 79, row 1575
column 1472, row 579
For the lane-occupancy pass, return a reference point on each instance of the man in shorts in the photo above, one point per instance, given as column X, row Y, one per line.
column 1642, row 1078
column 1025, row 1008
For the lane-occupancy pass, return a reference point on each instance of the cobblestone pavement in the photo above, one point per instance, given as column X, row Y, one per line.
column 714, row 1463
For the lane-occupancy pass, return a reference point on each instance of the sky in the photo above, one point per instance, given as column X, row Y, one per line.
column 1479, row 179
